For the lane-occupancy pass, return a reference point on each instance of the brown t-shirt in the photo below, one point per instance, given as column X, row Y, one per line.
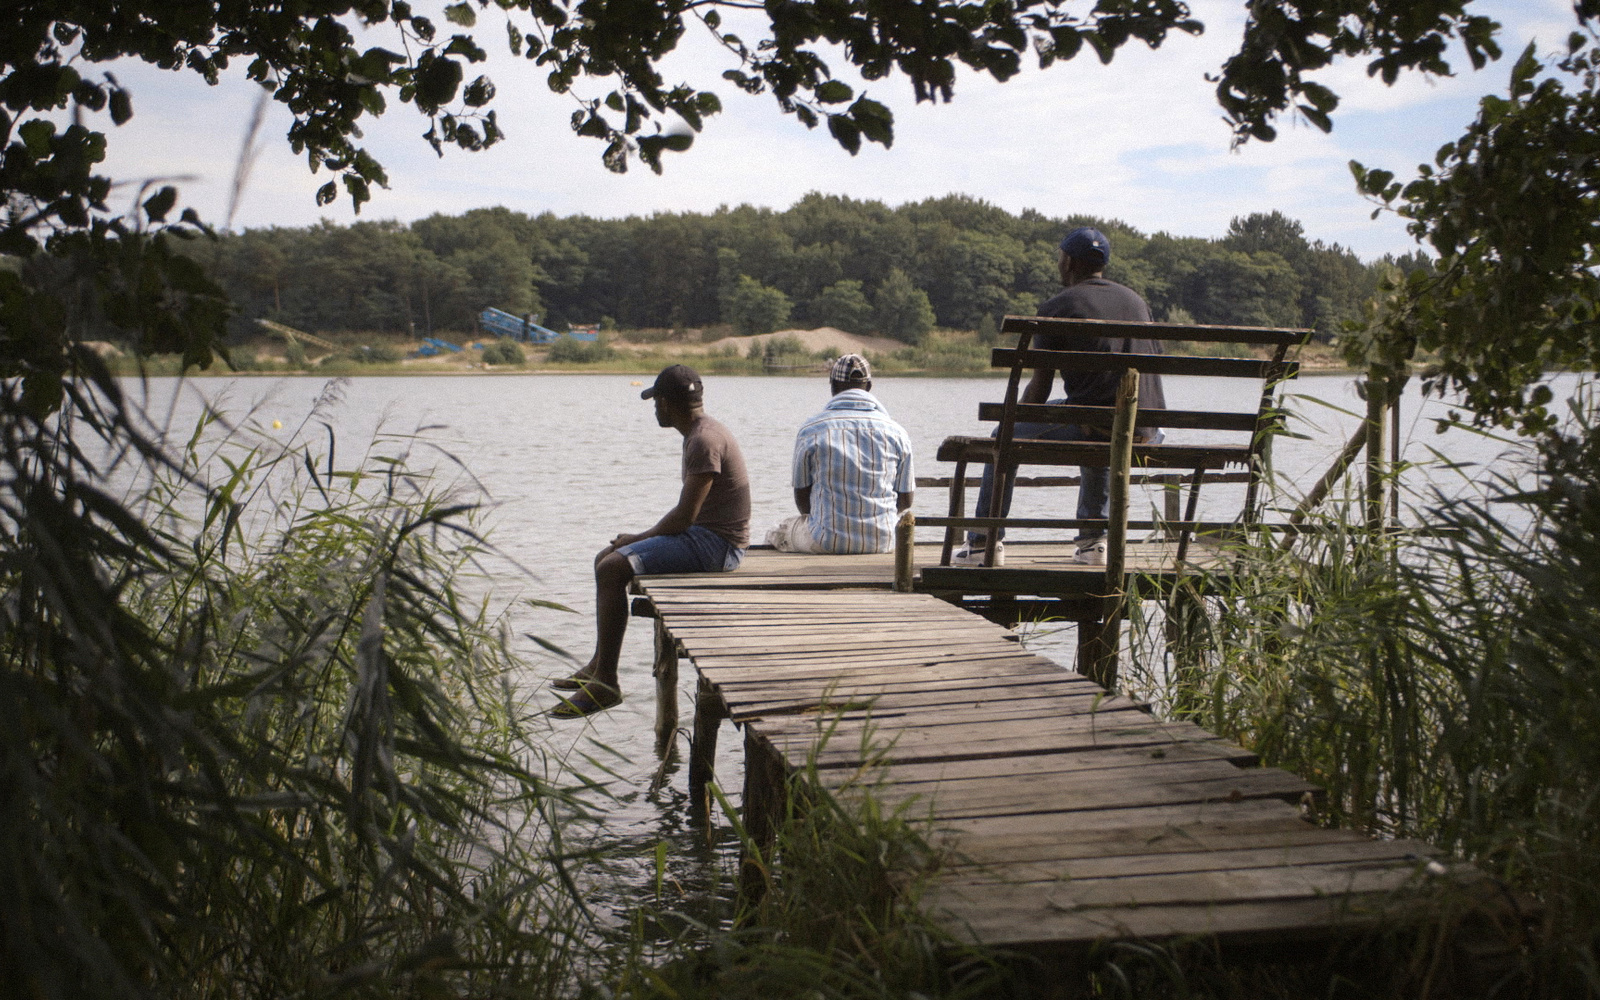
column 710, row 447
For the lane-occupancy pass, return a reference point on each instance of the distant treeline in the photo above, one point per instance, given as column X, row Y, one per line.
column 955, row 262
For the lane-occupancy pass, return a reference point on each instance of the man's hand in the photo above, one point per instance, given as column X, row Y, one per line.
column 625, row 539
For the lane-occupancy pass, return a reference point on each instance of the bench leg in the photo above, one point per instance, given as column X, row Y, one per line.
column 1190, row 510
column 958, row 507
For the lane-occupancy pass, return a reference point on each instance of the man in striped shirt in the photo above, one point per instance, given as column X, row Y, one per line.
column 852, row 471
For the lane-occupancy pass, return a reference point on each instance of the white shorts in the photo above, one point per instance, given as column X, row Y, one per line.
column 793, row 534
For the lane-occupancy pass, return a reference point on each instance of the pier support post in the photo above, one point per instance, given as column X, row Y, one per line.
column 1097, row 658
column 765, row 800
column 666, row 675
column 709, row 711
column 905, row 538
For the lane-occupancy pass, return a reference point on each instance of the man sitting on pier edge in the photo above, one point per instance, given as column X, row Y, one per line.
column 1082, row 259
column 852, row 471
column 706, row 532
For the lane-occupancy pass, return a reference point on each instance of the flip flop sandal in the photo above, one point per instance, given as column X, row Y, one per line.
column 583, row 703
column 569, row 683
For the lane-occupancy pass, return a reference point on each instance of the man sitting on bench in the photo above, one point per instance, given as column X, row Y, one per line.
column 1088, row 295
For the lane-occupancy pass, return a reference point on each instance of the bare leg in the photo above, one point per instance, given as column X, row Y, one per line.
column 612, row 575
column 596, row 683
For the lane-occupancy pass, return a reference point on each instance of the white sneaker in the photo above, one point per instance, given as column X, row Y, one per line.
column 1091, row 553
column 971, row 554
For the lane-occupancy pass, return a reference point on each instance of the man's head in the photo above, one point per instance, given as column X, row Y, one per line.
column 850, row 371
column 1084, row 253
column 678, row 393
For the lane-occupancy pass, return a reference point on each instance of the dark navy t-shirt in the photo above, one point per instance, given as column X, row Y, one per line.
column 1097, row 298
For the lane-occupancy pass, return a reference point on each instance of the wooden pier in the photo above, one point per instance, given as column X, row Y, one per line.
column 1073, row 815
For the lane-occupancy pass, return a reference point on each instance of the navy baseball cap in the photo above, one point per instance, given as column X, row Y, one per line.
column 1088, row 245
column 678, row 382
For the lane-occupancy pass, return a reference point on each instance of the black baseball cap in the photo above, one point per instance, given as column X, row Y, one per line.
column 679, row 382
column 1088, row 245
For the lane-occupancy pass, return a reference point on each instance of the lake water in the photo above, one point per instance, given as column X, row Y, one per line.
column 568, row 461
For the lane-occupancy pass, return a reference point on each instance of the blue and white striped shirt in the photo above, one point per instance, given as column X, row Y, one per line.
column 856, row 459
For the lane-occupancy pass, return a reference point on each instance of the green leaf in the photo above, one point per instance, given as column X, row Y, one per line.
column 121, row 106
column 846, row 132
column 159, row 204
column 679, row 142
column 327, row 193
column 36, row 134
column 834, row 92
column 462, row 14
column 437, row 80
column 478, row 93
column 875, row 121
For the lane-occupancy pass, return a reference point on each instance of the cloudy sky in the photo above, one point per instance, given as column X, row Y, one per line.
column 1141, row 140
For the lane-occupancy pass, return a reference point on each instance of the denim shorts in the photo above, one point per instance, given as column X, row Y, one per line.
column 698, row 550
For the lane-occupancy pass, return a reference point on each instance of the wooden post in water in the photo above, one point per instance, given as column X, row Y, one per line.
column 765, row 800
column 709, row 711
column 1102, row 660
column 905, row 537
column 666, row 675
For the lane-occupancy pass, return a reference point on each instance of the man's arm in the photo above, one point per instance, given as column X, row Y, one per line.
column 902, row 501
column 802, row 500
column 1038, row 388
column 696, row 488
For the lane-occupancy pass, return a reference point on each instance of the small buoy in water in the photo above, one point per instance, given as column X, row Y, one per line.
column 636, row 382
column 277, row 425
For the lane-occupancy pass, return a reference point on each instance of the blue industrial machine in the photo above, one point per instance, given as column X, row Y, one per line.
column 523, row 328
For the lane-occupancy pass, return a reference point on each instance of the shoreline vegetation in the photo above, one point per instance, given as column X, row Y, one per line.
column 941, row 354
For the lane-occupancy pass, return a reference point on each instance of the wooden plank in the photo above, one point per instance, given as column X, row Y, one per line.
column 1134, row 825
column 1062, row 846
column 1153, row 784
column 1208, row 888
column 1199, row 333
column 1039, row 451
column 1100, row 416
column 841, row 752
column 1147, row 364
column 1238, row 923
column 758, row 698
column 1021, row 710
column 800, row 660
column 1360, row 849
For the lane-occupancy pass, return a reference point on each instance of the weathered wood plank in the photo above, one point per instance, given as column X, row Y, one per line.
column 1238, row 857
column 1176, row 332
column 1151, row 785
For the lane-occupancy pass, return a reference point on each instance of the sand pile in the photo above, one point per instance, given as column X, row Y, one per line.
column 826, row 337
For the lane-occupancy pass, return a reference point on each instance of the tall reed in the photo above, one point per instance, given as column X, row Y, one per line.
column 1442, row 683
column 257, row 741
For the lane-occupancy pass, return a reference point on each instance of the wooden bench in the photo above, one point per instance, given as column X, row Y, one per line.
column 1198, row 463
